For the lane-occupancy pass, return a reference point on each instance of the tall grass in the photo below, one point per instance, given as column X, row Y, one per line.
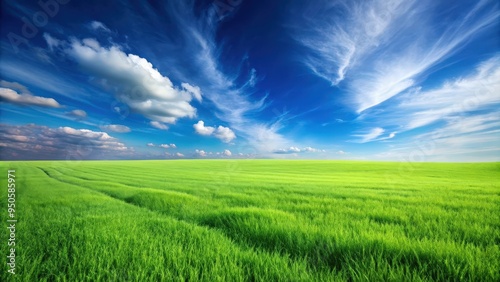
column 256, row 221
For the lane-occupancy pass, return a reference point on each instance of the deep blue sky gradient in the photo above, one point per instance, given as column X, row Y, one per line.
column 378, row 80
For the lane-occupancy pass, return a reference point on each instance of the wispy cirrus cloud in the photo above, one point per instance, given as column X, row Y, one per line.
column 337, row 42
column 370, row 135
column 379, row 49
column 200, row 153
column 158, row 125
column 474, row 93
column 118, row 128
column 466, row 138
column 35, row 75
column 235, row 102
column 479, row 90
column 97, row 26
column 460, row 116
column 77, row 114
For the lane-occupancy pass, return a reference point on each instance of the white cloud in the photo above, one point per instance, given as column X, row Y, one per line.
column 311, row 150
column 158, row 125
column 151, row 145
column 225, row 134
column 340, row 42
column 371, row 135
column 167, row 146
column 115, row 128
column 179, row 155
column 195, row 90
column 461, row 117
column 51, row 41
column 92, row 43
column 235, row 101
column 78, row 114
column 459, row 99
column 382, row 48
column 41, row 142
column 95, row 25
column 477, row 92
column 200, row 153
column 203, row 153
column 134, row 81
column 201, row 129
column 47, row 81
column 295, row 150
column 462, row 138
column 15, row 93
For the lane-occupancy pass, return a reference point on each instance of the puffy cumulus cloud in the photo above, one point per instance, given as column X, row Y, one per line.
column 158, row 125
column 41, row 142
column 134, row 81
column 225, row 134
column 116, row 128
column 201, row 129
column 77, row 114
column 179, row 155
column 200, row 153
column 15, row 93
column 151, row 145
column 167, row 146
column 312, row 150
column 294, row 150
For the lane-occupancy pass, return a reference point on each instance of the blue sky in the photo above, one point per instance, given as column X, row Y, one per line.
column 361, row 80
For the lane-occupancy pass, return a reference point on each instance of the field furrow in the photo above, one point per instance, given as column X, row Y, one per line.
column 178, row 225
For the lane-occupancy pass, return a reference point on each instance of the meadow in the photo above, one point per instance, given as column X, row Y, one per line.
column 253, row 220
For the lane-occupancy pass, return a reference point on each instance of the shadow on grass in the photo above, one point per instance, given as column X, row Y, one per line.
column 280, row 232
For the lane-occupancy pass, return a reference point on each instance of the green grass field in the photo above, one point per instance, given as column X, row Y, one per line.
column 253, row 220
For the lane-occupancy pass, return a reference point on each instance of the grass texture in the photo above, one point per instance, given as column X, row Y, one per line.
column 254, row 220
